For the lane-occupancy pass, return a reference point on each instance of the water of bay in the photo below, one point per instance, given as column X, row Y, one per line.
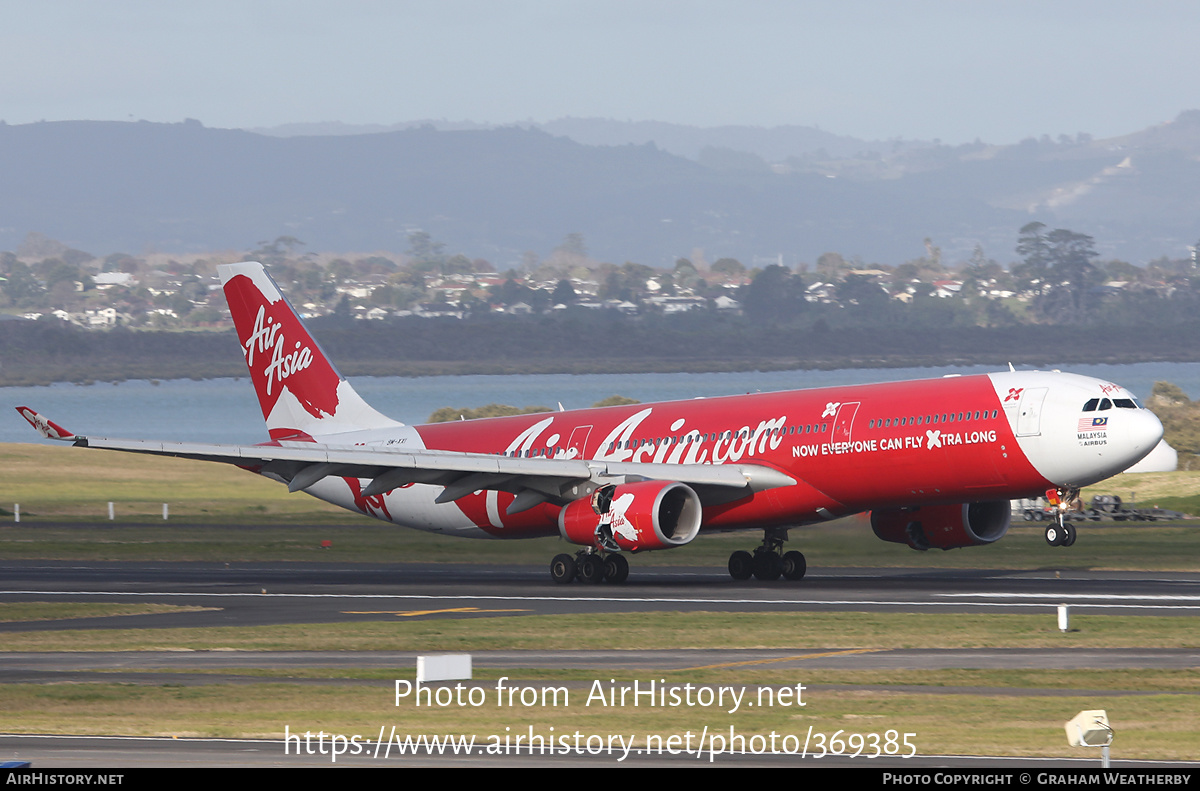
column 225, row 410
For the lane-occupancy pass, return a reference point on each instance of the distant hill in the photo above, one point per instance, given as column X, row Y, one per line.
column 497, row 192
column 773, row 144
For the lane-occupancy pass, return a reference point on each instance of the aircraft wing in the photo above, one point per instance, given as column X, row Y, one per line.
column 301, row 464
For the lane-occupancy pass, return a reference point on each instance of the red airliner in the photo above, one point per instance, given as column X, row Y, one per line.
column 934, row 461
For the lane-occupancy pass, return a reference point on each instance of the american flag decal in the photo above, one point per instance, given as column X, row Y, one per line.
column 1093, row 423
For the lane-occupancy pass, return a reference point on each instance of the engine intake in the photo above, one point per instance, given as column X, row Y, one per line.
column 634, row 517
column 943, row 526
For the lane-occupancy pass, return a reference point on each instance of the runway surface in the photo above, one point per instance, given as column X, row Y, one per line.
column 261, row 594
column 277, row 593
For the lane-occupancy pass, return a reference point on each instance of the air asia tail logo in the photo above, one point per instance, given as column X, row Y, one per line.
column 283, row 364
column 280, row 354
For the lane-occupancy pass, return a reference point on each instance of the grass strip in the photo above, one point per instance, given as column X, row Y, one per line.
column 802, row 632
column 1163, row 727
column 1117, row 682
column 59, row 611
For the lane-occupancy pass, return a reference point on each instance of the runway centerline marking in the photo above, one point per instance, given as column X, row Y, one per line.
column 788, row 658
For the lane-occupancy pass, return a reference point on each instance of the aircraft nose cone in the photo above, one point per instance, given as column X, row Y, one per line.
column 1143, row 433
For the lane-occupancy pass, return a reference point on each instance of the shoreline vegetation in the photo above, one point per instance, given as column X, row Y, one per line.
column 39, row 353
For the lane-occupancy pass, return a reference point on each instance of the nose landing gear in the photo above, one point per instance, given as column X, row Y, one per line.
column 1060, row 533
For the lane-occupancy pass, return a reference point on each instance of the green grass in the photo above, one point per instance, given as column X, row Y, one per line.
column 59, row 611
column 787, row 630
column 994, row 682
column 1158, row 726
column 53, row 482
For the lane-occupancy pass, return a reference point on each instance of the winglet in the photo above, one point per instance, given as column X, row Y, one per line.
column 47, row 428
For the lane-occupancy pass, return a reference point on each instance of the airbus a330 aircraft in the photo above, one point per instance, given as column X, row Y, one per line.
column 934, row 461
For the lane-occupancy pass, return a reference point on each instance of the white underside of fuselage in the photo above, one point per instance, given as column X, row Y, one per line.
column 412, row 506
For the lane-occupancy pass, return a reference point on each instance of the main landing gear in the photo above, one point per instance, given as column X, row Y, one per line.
column 589, row 567
column 1060, row 533
column 769, row 561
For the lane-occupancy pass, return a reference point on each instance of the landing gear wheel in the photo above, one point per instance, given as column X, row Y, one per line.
column 767, row 566
column 562, row 569
column 590, row 569
column 1054, row 535
column 741, row 565
column 794, row 565
column 616, row 569
column 1068, row 537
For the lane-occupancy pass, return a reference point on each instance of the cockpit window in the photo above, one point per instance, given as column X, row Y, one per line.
column 1124, row 403
column 1090, row 406
column 1105, row 404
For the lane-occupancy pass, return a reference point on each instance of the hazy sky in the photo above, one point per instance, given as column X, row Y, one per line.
column 999, row 70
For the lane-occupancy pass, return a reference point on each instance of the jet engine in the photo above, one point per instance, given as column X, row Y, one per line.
column 943, row 526
column 633, row 517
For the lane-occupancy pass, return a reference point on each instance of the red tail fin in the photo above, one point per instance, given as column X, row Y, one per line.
column 299, row 390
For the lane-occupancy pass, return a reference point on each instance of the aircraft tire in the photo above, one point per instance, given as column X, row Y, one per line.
column 590, row 569
column 1069, row 533
column 1054, row 535
column 562, row 569
column 768, row 566
column 616, row 569
column 741, row 565
column 794, row 565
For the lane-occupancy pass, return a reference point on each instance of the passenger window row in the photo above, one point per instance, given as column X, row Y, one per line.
column 945, row 417
column 687, row 439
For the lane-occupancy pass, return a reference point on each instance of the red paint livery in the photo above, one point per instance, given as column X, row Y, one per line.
column 935, row 461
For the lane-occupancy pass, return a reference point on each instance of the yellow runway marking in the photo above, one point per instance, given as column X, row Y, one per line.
column 790, row 658
column 411, row 613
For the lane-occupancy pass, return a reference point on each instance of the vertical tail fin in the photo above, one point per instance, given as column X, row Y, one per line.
column 299, row 390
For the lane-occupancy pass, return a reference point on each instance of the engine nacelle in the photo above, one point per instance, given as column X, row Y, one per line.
column 635, row 516
column 943, row 526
